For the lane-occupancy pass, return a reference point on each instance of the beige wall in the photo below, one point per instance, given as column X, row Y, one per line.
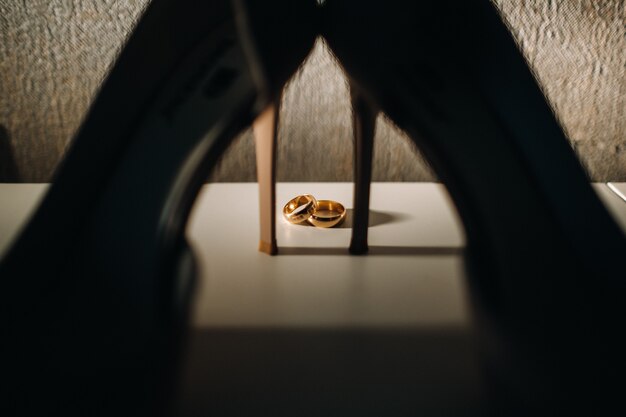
column 54, row 54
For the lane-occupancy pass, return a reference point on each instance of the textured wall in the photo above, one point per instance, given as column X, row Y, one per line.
column 55, row 53
column 53, row 56
column 578, row 51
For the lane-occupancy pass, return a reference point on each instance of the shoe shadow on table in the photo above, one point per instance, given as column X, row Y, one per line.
column 376, row 218
column 332, row 372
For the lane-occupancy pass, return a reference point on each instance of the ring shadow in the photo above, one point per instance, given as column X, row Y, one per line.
column 376, row 218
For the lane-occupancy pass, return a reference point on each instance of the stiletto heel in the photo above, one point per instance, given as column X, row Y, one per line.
column 265, row 133
column 364, row 126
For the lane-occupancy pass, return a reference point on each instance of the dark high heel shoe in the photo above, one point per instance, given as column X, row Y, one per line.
column 543, row 255
column 95, row 289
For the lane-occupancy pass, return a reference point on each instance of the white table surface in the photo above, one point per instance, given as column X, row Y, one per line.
column 412, row 277
column 315, row 331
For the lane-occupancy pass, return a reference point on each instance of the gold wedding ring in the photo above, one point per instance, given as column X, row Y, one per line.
column 300, row 208
column 327, row 213
column 319, row 213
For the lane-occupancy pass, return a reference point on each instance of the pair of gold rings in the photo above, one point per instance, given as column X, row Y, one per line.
column 319, row 213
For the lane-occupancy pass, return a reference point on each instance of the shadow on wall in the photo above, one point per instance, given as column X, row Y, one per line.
column 8, row 167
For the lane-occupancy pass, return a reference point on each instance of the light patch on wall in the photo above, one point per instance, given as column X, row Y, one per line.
column 315, row 140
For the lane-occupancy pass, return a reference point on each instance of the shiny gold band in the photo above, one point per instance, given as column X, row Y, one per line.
column 300, row 208
column 327, row 213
